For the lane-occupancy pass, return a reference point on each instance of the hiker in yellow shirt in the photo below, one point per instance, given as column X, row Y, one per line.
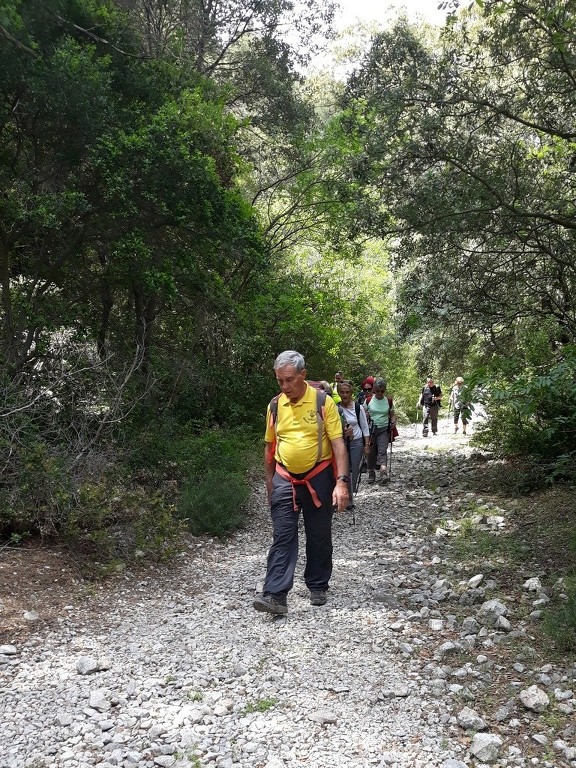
column 303, row 443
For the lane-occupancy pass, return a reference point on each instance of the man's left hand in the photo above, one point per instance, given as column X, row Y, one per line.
column 340, row 496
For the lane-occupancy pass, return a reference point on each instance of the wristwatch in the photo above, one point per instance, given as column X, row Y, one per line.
column 344, row 478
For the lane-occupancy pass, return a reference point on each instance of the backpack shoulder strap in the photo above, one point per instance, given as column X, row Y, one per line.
column 320, row 404
column 273, row 406
column 357, row 409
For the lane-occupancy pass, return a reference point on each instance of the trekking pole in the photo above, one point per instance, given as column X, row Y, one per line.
column 363, row 464
column 351, row 488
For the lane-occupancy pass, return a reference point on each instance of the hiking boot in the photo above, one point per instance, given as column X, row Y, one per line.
column 270, row 604
column 383, row 478
column 456, row 430
column 371, row 476
column 463, row 430
column 318, row 597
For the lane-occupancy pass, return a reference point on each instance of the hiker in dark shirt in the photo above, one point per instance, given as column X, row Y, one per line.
column 429, row 401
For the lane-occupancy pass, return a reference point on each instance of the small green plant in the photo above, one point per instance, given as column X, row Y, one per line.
column 191, row 757
column 16, row 539
column 195, row 696
column 552, row 719
column 472, row 542
column 559, row 619
column 262, row 705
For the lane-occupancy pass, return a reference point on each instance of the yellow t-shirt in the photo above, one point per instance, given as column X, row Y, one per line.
column 296, row 431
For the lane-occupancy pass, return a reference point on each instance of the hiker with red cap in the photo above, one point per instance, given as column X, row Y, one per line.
column 365, row 394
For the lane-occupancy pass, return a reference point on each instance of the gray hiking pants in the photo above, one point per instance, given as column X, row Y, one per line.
column 379, row 448
column 283, row 554
column 430, row 414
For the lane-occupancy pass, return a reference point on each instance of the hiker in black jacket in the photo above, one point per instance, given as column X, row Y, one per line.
column 429, row 401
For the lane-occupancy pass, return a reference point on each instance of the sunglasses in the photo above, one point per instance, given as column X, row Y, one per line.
column 366, row 389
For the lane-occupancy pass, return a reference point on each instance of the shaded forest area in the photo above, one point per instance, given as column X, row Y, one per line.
column 183, row 197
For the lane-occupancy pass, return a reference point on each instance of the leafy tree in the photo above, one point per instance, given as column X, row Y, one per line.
column 476, row 178
column 123, row 235
column 464, row 151
column 112, row 218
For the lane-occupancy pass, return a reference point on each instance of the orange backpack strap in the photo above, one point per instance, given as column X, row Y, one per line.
column 320, row 405
column 320, row 410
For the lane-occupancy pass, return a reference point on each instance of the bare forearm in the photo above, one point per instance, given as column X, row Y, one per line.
column 341, row 456
column 269, row 467
column 340, row 496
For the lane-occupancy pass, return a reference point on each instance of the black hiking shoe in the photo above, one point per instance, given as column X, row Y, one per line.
column 371, row 476
column 318, row 597
column 270, row 604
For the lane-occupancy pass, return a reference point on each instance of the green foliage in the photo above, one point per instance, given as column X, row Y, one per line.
column 261, row 705
column 205, row 467
column 532, row 415
column 478, row 189
column 35, row 491
column 559, row 619
column 215, row 504
column 111, row 523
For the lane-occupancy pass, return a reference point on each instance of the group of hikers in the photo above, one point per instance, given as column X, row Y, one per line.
column 369, row 426
column 318, row 438
column 430, row 400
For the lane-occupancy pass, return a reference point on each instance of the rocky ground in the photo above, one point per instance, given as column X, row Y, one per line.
column 426, row 655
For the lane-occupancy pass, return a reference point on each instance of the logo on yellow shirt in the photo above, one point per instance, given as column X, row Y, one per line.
column 310, row 417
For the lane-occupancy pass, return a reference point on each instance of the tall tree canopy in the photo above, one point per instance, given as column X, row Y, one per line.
column 468, row 161
column 120, row 210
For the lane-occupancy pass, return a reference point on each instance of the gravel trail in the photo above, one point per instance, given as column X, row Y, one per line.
column 180, row 671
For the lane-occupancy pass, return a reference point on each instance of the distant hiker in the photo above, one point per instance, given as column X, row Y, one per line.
column 458, row 401
column 382, row 420
column 365, row 394
column 356, row 432
column 303, row 441
column 429, row 401
column 325, row 387
column 338, row 377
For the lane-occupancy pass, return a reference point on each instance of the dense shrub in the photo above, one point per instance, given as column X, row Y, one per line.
column 532, row 415
column 215, row 505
